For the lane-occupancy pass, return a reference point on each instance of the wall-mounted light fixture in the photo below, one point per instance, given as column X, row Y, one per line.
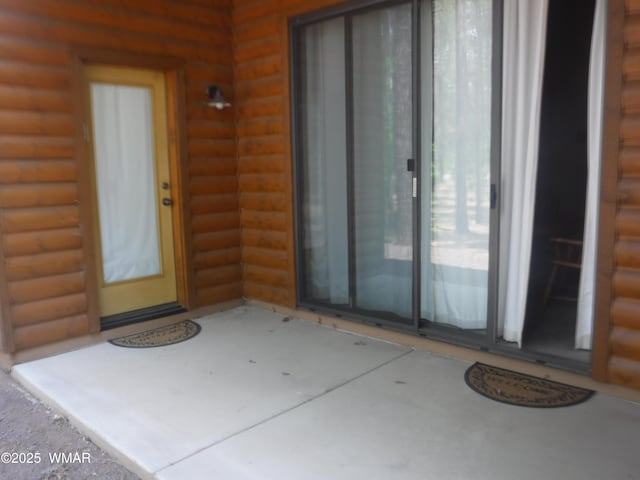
column 216, row 98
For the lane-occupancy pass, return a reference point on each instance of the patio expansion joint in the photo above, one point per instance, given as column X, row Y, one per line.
column 287, row 410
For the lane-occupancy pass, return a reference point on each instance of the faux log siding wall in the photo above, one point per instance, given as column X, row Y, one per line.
column 624, row 362
column 264, row 157
column 40, row 226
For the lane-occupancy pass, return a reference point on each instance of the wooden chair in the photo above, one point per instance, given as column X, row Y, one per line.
column 567, row 255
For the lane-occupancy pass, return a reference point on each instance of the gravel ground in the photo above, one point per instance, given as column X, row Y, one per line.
column 29, row 431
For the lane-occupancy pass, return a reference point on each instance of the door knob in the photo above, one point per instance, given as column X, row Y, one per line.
column 167, row 201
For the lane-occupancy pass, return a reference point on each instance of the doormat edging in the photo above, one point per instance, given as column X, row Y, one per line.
column 161, row 336
column 519, row 389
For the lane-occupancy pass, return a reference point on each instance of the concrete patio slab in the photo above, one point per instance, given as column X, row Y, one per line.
column 158, row 405
column 415, row 419
column 255, row 397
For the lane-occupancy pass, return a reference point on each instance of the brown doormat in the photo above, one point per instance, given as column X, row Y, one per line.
column 160, row 337
column 523, row 390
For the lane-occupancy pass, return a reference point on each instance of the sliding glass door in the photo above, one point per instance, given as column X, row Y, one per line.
column 354, row 114
column 456, row 162
column 395, row 153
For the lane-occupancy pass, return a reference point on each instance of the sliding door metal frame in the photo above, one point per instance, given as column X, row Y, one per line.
column 351, row 213
column 490, row 336
column 296, row 168
column 496, row 161
column 417, row 159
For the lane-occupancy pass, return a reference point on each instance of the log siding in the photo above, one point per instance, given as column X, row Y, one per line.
column 44, row 264
column 620, row 223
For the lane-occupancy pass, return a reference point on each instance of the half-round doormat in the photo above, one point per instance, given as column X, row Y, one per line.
column 160, row 337
column 523, row 390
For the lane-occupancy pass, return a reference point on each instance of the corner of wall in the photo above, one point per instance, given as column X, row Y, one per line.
column 6, row 333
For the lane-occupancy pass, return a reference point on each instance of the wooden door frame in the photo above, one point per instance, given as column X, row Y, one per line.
column 605, row 259
column 173, row 69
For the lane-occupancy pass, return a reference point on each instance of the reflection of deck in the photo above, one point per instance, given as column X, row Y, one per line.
column 468, row 249
column 460, row 255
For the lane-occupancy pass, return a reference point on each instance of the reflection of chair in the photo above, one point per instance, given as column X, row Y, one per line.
column 567, row 254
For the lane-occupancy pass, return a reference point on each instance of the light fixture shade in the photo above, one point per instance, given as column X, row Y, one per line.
column 216, row 98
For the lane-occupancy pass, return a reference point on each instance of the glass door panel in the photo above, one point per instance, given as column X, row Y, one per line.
column 382, row 199
column 125, row 181
column 456, row 162
column 323, row 165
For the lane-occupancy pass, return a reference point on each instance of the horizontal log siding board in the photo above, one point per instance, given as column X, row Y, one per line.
column 50, row 309
column 223, row 275
column 264, row 201
column 206, row 261
column 265, row 257
column 219, row 293
column 624, row 334
column 40, row 225
column 630, row 162
column 29, row 219
column 38, row 196
column 624, row 371
column 41, row 148
column 28, row 123
column 204, row 204
column 632, row 7
column 625, row 313
column 264, row 239
column 34, row 289
column 44, row 265
column 218, row 240
column 625, row 342
column 35, row 171
column 261, row 71
column 269, row 292
column 19, row 98
column 47, row 332
column 626, row 283
column 32, row 243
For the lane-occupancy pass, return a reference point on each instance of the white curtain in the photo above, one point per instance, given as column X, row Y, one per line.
column 324, row 169
column 584, row 326
column 456, row 149
column 126, row 182
column 523, row 65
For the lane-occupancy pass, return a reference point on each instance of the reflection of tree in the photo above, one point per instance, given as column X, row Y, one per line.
column 462, row 104
column 461, row 143
column 394, row 51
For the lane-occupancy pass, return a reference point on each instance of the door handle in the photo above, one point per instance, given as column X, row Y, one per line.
column 167, row 201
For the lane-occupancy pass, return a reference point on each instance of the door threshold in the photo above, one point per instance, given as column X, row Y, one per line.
column 546, row 359
column 135, row 316
column 505, row 349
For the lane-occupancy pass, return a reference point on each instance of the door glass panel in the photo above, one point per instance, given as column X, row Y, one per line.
column 322, row 110
column 382, row 139
column 455, row 183
column 125, row 181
